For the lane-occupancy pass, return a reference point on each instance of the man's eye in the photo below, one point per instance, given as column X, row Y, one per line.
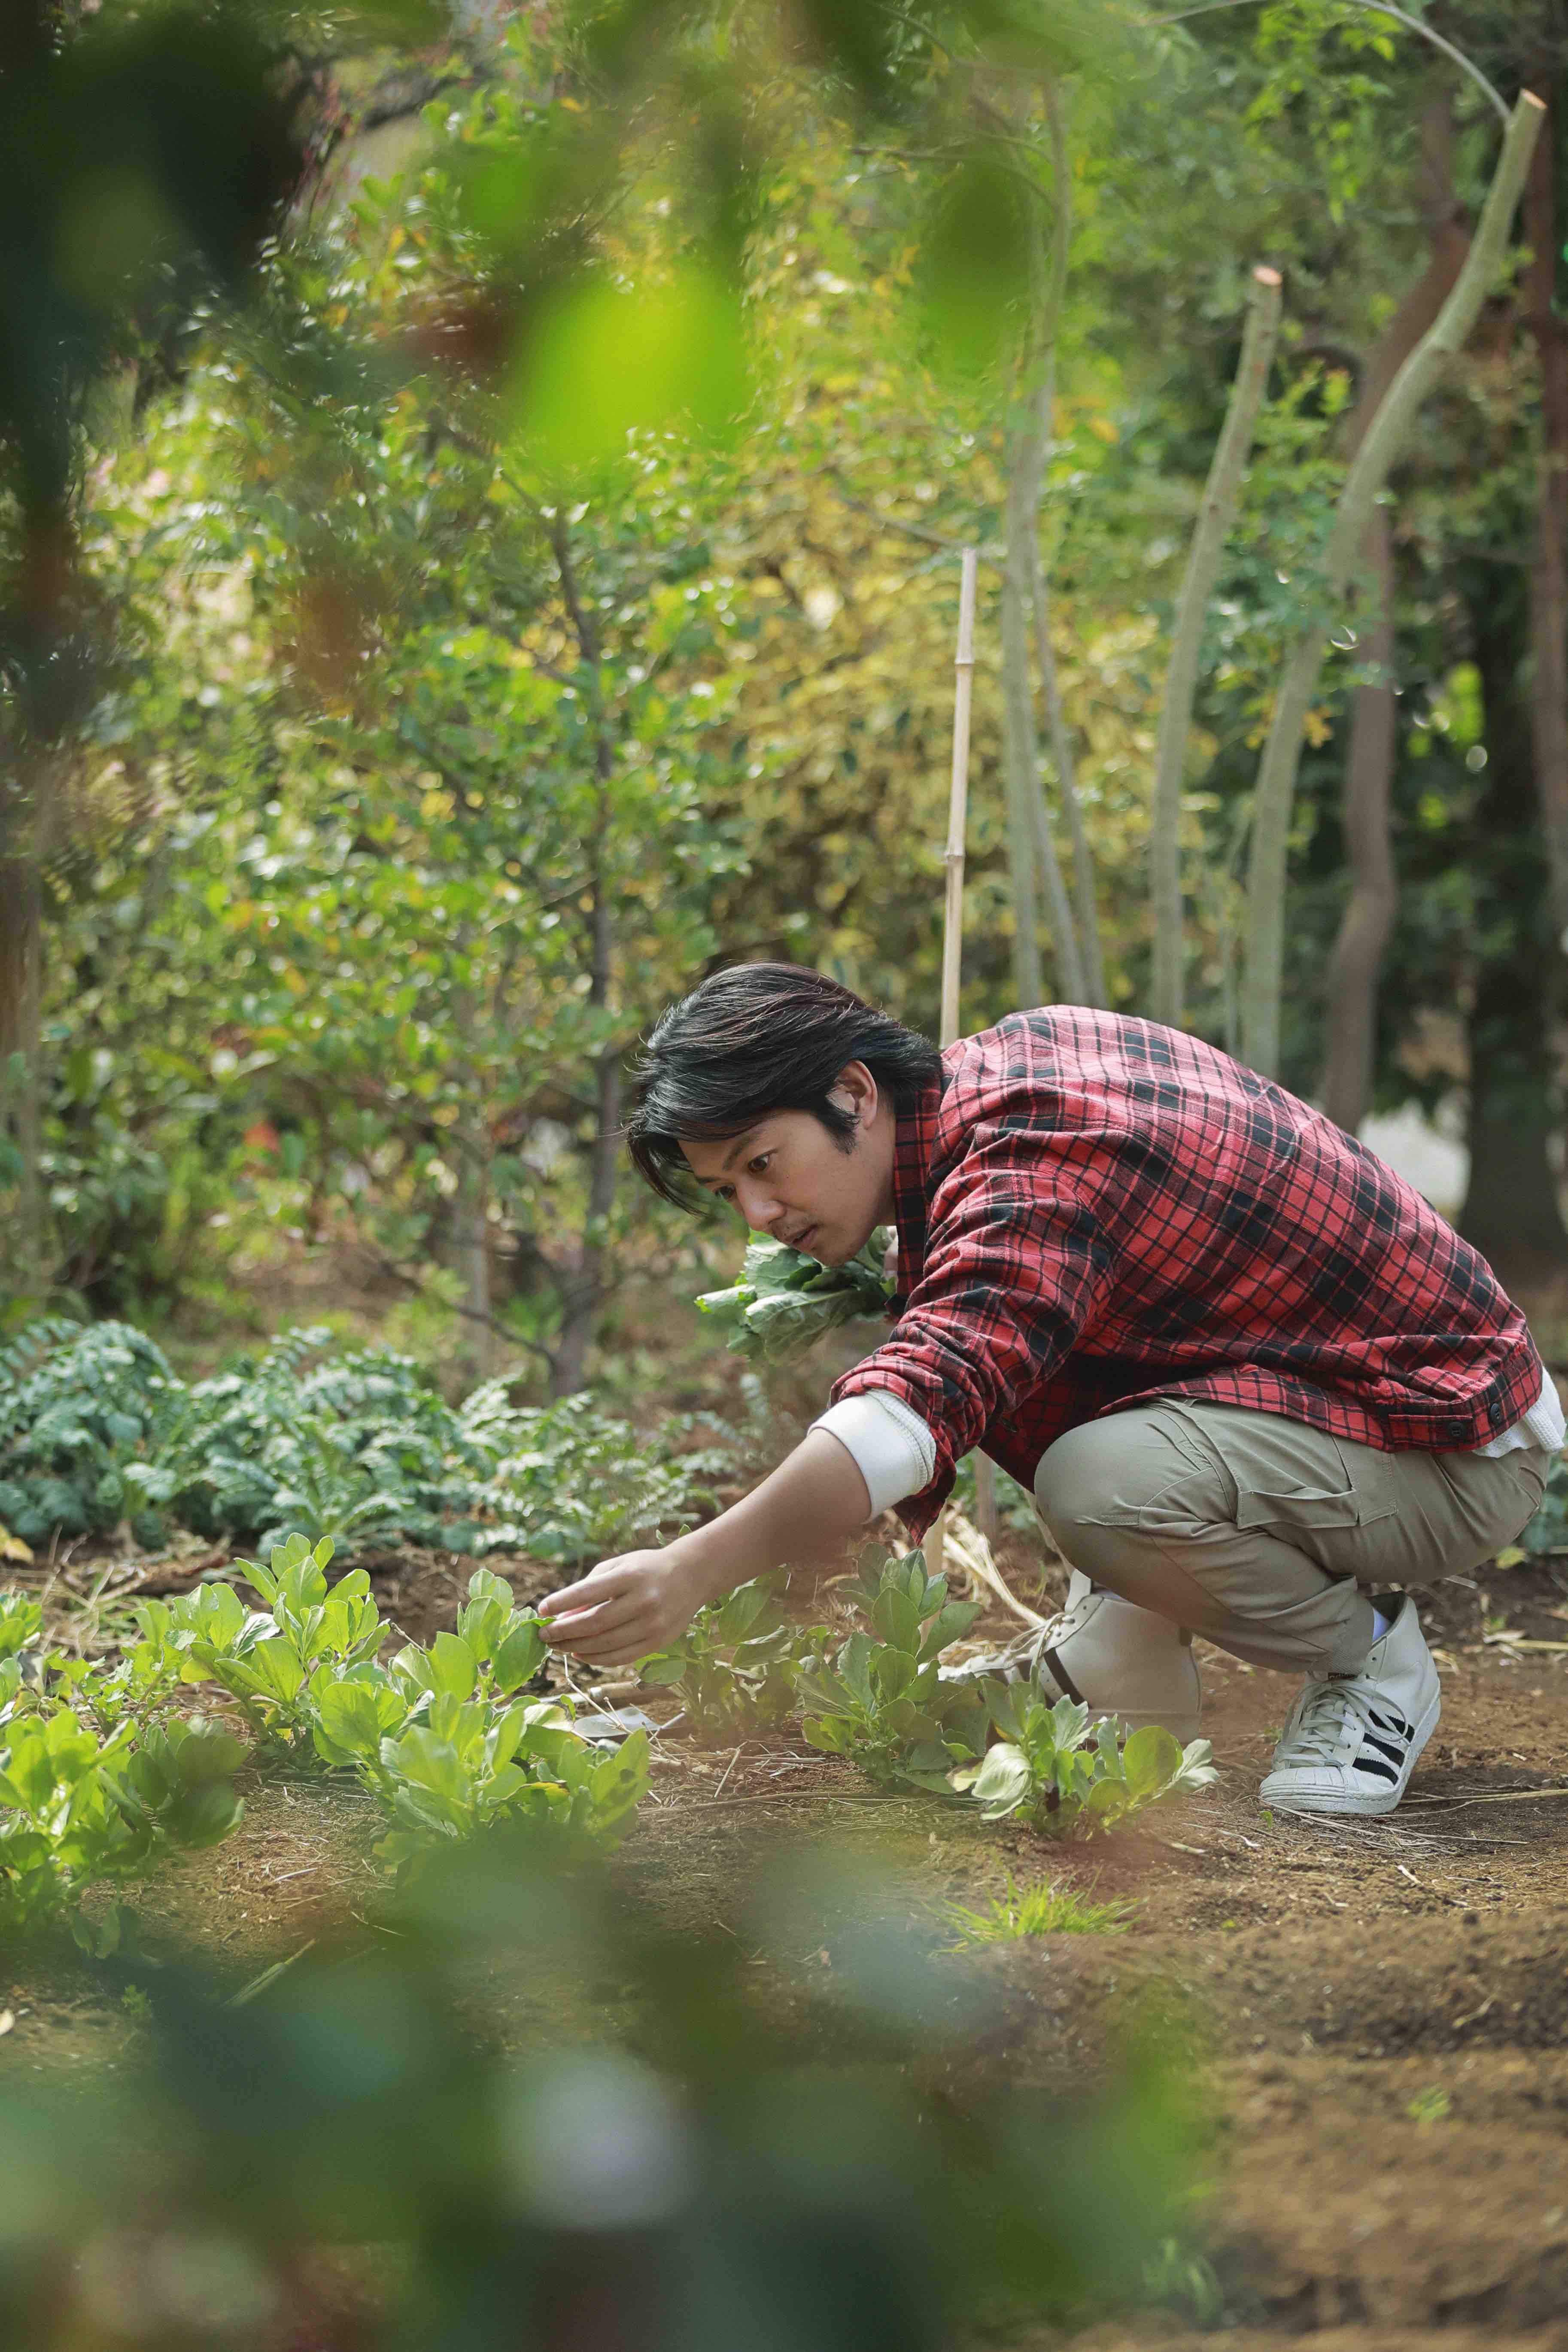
column 759, row 1162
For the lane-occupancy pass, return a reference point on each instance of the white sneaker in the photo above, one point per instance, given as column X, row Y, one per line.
column 1351, row 1741
column 1116, row 1658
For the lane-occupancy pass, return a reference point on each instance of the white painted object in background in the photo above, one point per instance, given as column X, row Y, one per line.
column 1427, row 1154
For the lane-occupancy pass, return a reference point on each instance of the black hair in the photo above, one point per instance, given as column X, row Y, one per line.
column 757, row 1039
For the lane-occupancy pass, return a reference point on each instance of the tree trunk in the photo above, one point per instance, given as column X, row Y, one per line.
column 1380, row 450
column 1549, row 574
column 585, row 1291
column 1222, row 494
column 1511, row 1212
column 1019, row 755
column 1357, row 958
column 21, row 985
column 1351, row 1012
column 472, row 1205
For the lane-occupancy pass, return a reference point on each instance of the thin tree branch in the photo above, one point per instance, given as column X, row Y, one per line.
column 1378, row 8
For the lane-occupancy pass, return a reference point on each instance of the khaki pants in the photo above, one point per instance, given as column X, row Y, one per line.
column 1265, row 1536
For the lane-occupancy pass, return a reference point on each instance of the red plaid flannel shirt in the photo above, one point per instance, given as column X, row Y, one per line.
column 1094, row 1211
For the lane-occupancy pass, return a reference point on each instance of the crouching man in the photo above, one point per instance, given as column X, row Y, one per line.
column 1253, row 1379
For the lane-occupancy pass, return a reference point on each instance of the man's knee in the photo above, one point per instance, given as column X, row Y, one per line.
column 1075, row 1482
column 1130, row 1471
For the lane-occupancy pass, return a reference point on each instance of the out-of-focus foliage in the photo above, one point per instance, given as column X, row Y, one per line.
column 448, row 2126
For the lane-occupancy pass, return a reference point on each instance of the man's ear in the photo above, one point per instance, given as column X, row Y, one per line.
column 842, row 1097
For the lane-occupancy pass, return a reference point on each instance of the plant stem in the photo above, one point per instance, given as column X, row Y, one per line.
column 1222, row 494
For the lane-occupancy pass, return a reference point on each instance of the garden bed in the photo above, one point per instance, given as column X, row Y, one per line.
column 1382, row 2007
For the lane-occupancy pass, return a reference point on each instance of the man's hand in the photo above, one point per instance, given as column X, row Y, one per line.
column 625, row 1606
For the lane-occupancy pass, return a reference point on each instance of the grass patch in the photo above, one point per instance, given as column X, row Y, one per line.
column 1043, row 1910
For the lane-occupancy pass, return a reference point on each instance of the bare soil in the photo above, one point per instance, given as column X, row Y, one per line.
column 1384, row 2006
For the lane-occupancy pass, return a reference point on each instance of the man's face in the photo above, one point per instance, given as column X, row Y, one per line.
column 789, row 1178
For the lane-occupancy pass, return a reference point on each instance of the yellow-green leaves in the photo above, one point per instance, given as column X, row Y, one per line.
column 601, row 361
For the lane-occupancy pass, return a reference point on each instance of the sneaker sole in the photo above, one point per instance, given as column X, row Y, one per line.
column 1361, row 1808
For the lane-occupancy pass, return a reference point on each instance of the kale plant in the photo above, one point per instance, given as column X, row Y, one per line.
column 355, row 1448
column 785, row 1301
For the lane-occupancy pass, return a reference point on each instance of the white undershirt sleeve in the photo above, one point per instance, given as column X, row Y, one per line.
column 893, row 1448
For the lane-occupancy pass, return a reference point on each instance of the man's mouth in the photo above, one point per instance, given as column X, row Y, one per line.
column 803, row 1239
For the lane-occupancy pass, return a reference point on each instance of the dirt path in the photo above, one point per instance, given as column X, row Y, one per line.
column 1385, row 2007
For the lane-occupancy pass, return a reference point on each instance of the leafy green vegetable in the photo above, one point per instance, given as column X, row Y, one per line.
column 1056, row 1772
column 881, row 1702
column 735, row 1668
column 785, row 1301
column 76, row 1810
column 96, row 1428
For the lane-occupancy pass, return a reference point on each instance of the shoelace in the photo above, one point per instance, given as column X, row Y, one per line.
column 1336, row 1702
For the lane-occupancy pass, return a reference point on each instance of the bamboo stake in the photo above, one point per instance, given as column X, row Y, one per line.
column 952, row 859
column 958, row 803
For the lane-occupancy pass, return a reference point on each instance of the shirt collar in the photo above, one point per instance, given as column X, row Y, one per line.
column 914, row 1140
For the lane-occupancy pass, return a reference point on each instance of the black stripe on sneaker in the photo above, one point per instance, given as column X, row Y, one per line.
column 1364, row 1763
column 1063, row 1680
column 1396, row 1755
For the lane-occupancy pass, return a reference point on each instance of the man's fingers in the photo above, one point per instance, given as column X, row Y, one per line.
column 619, row 1647
column 596, row 1586
column 592, row 1624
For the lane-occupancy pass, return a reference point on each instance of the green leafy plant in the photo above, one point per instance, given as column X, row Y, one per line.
column 879, row 1699
column 1043, row 1910
column 272, row 1661
column 96, row 1428
column 735, row 1668
column 439, row 1735
column 76, row 1810
column 1548, row 1530
column 1432, row 2105
column 1051, row 1769
column 785, row 1301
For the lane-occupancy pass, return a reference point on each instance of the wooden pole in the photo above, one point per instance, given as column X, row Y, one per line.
column 952, row 859
column 958, row 804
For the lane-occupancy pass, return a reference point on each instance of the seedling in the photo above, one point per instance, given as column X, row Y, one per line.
column 735, row 1668
column 1429, row 2106
column 882, row 1703
column 1056, row 1772
column 1044, row 1910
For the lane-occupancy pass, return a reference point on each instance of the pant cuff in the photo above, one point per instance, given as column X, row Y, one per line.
column 1355, row 1638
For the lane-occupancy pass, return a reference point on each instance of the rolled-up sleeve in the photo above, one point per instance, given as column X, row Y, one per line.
column 1015, row 1270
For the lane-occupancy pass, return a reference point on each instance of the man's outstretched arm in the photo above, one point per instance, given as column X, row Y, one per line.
column 805, row 1510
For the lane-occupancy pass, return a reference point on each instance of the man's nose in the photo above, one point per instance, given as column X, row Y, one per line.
column 759, row 1207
